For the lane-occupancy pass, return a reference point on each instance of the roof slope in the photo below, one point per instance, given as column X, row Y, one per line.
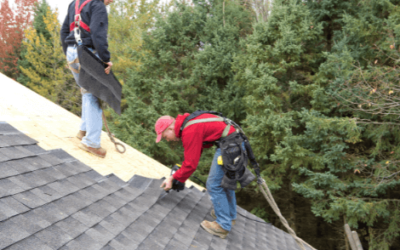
column 50, row 200
column 54, row 127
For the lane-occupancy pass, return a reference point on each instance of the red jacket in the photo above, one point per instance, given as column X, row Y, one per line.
column 192, row 139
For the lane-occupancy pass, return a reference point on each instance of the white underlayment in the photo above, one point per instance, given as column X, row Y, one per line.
column 54, row 127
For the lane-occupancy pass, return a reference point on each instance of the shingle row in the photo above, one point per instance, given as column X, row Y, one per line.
column 50, row 200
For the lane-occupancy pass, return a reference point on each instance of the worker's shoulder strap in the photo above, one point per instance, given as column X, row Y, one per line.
column 189, row 120
column 77, row 18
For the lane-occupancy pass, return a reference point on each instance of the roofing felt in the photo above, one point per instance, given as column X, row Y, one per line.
column 50, row 200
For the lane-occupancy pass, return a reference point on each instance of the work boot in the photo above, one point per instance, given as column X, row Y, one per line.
column 100, row 152
column 81, row 134
column 215, row 217
column 214, row 228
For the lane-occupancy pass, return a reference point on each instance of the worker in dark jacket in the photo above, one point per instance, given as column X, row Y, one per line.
column 93, row 31
column 192, row 137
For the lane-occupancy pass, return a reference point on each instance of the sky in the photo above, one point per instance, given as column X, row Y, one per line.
column 61, row 5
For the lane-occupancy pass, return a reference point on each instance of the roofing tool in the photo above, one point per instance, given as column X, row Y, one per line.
column 177, row 185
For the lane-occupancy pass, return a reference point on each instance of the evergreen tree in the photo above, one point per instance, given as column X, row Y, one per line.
column 127, row 20
column 185, row 65
column 39, row 10
column 311, row 142
column 359, row 80
column 48, row 75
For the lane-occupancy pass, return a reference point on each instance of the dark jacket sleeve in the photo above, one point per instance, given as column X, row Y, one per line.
column 64, row 33
column 98, row 29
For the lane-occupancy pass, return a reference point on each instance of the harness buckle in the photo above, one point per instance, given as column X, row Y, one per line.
column 77, row 34
column 77, row 18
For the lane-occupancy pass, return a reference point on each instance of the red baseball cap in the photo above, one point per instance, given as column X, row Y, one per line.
column 162, row 124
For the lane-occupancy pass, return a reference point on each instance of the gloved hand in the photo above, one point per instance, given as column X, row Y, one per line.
column 177, row 185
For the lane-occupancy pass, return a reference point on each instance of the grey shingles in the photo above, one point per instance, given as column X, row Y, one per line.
column 24, row 222
column 21, row 182
column 6, row 128
column 112, row 224
column 54, row 237
column 15, row 205
column 36, row 163
column 140, row 182
column 29, row 199
column 5, row 241
column 13, row 231
column 7, row 170
column 49, row 200
column 8, row 187
column 72, row 227
column 62, row 155
column 3, row 157
column 23, row 165
column 15, row 153
column 6, row 210
column 63, row 186
column 35, row 149
column 116, row 180
column 46, row 193
column 87, row 217
column 114, row 244
column 36, row 219
column 101, row 208
column 51, row 159
column 30, row 243
column 51, row 213
column 15, row 140
column 54, row 172
column 124, row 242
column 79, row 181
column 35, row 179
column 93, row 175
column 79, row 167
column 69, row 204
column 44, row 175
column 83, row 241
column 100, row 235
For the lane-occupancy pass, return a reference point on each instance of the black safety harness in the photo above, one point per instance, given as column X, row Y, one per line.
column 235, row 150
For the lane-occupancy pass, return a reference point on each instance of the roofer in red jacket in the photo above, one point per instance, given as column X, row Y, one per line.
column 93, row 22
column 195, row 138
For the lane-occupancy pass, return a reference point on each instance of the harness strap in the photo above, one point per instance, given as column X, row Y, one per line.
column 72, row 62
column 219, row 119
column 77, row 18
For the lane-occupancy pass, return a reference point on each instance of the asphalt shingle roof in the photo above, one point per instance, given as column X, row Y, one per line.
column 50, row 200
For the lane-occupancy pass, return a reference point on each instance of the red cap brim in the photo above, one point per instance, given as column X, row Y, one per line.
column 158, row 138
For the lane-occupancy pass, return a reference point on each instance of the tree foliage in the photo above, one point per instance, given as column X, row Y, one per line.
column 47, row 73
column 39, row 11
column 185, row 64
column 13, row 21
column 296, row 68
column 127, row 20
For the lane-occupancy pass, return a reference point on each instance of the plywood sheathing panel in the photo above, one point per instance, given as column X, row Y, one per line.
column 54, row 127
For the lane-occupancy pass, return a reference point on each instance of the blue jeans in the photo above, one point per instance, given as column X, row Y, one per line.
column 224, row 200
column 91, row 110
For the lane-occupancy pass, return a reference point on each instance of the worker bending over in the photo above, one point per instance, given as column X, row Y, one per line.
column 200, row 130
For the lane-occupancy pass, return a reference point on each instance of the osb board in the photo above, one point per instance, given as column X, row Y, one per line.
column 54, row 127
